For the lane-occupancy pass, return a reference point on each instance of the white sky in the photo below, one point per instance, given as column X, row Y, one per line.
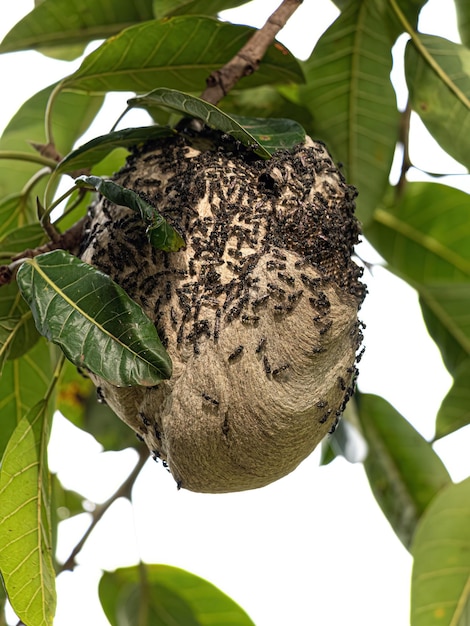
column 313, row 548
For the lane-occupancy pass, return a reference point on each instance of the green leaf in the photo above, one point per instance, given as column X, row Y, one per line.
column 52, row 24
column 25, row 526
column 454, row 412
column 441, row 94
column 429, row 248
column 440, row 589
column 463, row 20
column 425, row 246
column 446, row 313
column 77, row 401
column 18, row 333
column 14, row 211
column 23, row 383
column 97, row 149
column 28, row 125
column 160, row 234
column 179, row 53
column 267, row 101
column 195, row 107
column 403, row 470
column 410, row 9
column 20, row 239
column 93, row 320
column 165, row 595
column 268, row 135
column 167, row 8
column 352, row 101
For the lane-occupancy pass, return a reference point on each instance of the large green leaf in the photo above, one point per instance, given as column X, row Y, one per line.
column 352, row 101
column 164, row 8
column 463, row 20
column 454, row 412
column 404, row 471
column 77, row 400
column 265, row 135
column 23, row 383
column 93, row 320
column 446, row 308
column 429, row 248
column 25, row 525
column 424, row 236
column 17, row 330
column 177, row 53
column 28, row 125
column 15, row 210
column 440, row 586
column 165, row 596
column 54, row 23
column 98, row 148
column 20, row 239
column 444, row 108
column 159, row 232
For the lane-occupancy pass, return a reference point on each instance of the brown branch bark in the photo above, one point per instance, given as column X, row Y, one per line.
column 69, row 240
column 248, row 58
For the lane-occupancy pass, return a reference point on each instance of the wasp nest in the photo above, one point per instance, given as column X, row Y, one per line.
column 258, row 312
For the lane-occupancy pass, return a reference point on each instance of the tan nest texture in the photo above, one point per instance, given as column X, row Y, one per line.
column 258, row 312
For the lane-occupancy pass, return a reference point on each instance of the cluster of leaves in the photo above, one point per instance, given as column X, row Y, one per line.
column 163, row 51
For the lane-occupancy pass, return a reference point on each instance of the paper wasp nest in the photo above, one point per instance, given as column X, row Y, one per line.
column 258, row 312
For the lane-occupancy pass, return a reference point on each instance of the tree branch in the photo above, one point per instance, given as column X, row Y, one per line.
column 247, row 60
column 124, row 491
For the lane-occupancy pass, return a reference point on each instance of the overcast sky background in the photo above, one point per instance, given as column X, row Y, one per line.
column 313, row 548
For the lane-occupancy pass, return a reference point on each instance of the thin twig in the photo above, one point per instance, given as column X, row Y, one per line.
column 124, row 491
column 404, row 137
column 247, row 60
column 69, row 240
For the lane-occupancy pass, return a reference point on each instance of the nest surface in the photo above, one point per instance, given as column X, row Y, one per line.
column 258, row 312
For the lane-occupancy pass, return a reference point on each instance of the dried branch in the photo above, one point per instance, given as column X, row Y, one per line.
column 247, row 60
column 124, row 491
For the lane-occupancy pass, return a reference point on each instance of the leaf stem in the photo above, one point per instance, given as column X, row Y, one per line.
column 81, row 194
column 446, row 79
column 48, row 114
column 124, row 491
column 33, row 181
column 56, row 203
column 55, row 376
column 248, row 58
column 29, row 157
